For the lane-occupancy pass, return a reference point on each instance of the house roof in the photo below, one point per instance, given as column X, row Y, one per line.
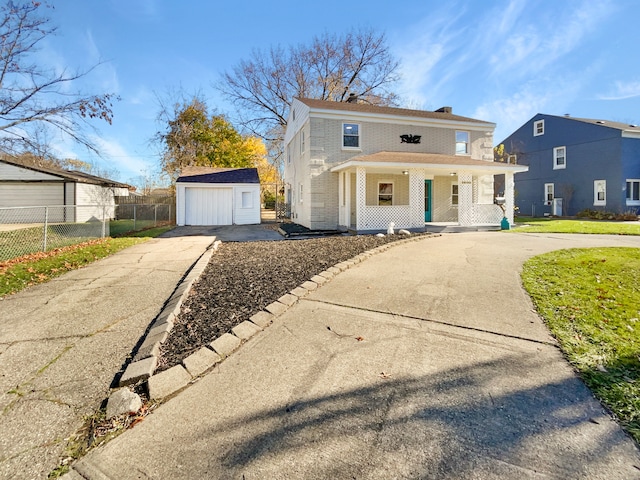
column 427, row 160
column 218, row 175
column 604, row 123
column 73, row 175
column 375, row 109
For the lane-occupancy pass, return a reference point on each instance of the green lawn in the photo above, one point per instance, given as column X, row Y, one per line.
column 39, row 267
column 590, row 299
column 554, row 225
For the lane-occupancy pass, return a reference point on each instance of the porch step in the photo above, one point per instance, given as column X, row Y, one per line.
column 460, row 229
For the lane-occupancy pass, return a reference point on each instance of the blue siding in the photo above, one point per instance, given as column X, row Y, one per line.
column 593, row 152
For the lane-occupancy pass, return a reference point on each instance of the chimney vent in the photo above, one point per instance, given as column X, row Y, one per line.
column 353, row 98
column 445, row 110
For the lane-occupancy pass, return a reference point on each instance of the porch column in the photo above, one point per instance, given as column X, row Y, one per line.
column 509, row 194
column 347, row 199
column 416, row 197
column 465, row 199
column 361, row 197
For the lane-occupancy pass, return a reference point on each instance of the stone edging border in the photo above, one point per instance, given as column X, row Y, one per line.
column 176, row 378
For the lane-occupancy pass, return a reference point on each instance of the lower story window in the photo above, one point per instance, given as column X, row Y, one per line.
column 600, row 192
column 385, row 193
column 548, row 193
column 454, row 194
column 633, row 191
column 247, row 200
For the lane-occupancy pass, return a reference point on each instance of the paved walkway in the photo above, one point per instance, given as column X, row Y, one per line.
column 425, row 361
column 62, row 343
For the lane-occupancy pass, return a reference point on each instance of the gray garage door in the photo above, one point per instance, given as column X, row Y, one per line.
column 208, row 206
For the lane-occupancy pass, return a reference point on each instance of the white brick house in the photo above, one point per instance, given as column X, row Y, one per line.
column 357, row 167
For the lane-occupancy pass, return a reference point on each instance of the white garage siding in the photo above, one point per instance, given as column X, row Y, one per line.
column 217, row 204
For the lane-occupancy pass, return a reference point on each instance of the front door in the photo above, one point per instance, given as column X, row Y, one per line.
column 427, row 200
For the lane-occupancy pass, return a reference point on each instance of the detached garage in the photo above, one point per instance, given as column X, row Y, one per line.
column 218, row 196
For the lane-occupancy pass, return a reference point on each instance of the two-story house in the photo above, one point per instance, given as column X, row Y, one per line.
column 576, row 164
column 359, row 167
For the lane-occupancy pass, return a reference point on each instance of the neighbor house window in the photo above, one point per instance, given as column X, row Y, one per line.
column 454, row 194
column 289, row 153
column 300, row 193
column 600, row 192
column 548, row 193
column 462, row 143
column 302, row 146
column 633, row 191
column 538, row 128
column 385, row 193
column 559, row 158
column 350, row 135
column 247, row 200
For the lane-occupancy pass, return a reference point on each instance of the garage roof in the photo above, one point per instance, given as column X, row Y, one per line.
column 218, row 175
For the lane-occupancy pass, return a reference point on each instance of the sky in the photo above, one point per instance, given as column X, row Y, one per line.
column 501, row 61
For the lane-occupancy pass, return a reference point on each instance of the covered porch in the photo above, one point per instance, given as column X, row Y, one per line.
column 415, row 190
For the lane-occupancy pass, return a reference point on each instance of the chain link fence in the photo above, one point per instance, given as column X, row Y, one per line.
column 27, row 230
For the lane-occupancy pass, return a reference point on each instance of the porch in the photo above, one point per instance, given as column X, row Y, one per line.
column 421, row 192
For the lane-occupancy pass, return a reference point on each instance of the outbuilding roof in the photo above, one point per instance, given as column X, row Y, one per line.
column 72, row 175
column 218, row 175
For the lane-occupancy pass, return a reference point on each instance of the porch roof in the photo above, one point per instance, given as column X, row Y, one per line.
column 431, row 161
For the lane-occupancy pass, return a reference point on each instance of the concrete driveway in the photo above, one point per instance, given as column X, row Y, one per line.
column 425, row 361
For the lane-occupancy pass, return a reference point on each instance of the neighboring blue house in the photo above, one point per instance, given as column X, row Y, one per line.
column 589, row 164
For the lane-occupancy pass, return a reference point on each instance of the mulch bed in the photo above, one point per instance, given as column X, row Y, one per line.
column 242, row 278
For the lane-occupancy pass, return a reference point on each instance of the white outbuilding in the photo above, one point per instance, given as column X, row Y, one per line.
column 70, row 196
column 218, row 196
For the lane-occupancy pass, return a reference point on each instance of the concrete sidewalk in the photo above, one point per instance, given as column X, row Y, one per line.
column 62, row 343
column 425, row 361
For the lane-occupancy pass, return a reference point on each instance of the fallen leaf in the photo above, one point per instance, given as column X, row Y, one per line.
column 384, row 375
column 360, row 339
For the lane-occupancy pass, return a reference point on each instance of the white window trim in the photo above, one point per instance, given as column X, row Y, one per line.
column 631, row 201
column 548, row 190
column 393, row 192
column 457, row 195
column 597, row 202
column 300, row 192
column 468, row 143
column 557, row 166
column 242, row 197
column 535, row 128
column 359, row 147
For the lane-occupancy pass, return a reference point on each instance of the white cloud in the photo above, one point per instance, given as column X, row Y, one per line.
column 622, row 91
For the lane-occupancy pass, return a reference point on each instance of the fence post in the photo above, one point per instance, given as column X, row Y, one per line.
column 134, row 216
column 155, row 215
column 46, row 218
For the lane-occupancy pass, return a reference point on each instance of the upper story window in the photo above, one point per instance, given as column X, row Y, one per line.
column 302, row 143
column 289, row 153
column 559, row 158
column 633, row 191
column 462, row 143
column 385, row 193
column 600, row 192
column 538, row 128
column 350, row 135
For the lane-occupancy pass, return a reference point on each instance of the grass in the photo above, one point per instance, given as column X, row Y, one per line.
column 28, row 270
column 553, row 225
column 590, row 299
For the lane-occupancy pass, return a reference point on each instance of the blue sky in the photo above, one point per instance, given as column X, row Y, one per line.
column 501, row 60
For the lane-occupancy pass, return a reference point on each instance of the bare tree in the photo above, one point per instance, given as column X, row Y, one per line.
column 34, row 99
column 330, row 68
